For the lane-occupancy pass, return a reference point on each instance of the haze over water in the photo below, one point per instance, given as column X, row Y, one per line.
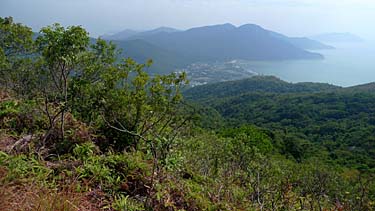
column 347, row 65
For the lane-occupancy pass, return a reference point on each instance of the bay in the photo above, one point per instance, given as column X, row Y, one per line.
column 346, row 65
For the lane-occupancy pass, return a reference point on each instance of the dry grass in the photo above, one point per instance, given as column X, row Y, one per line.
column 6, row 142
column 31, row 197
column 4, row 95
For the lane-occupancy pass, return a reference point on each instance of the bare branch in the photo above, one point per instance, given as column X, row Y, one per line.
column 124, row 130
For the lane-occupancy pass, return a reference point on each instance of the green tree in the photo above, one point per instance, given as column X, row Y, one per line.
column 119, row 94
column 60, row 54
column 16, row 48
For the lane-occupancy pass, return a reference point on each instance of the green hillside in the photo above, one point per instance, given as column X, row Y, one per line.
column 339, row 120
column 254, row 84
column 164, row 61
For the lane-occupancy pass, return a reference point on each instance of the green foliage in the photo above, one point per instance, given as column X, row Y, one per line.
column 8, row 108
column 60, row 46
column 21, row 117
column 251, row 137
column 123, row 97
column 60, row 51
column 16, row 48
column 272, row 182
column 16, row 38
column 23, row 167
column 126, row 203
column 84, row 151
column 109, row 170
column 94, row 168
column 117, row 97
column 269, row 84
column 332, row 124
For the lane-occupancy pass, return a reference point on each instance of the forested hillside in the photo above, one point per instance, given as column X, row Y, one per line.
column 269, row 84
column 316, row 117
column 82, row 130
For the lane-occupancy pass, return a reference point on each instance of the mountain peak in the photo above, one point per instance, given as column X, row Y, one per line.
column 120, row 35
column 250, row 26
column 229, row 25
column 224, row 27
column 163, row 29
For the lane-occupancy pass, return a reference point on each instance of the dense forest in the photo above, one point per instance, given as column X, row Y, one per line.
column 83, row 129
column 313, row 119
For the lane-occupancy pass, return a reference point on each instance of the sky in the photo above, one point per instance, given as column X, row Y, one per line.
column 291, row 17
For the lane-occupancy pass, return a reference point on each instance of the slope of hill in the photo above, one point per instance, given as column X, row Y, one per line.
column 342, row 122
column 162, row 29
column 133, row 34
column 369, row 87
column 164, row 61
column 123, row 35
column 337, row 38
column 254, row 84
column 302, row 42
column 308, row 44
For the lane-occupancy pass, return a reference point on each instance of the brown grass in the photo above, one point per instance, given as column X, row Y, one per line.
column 4, row 95
column 6, row 142
column 31, row 197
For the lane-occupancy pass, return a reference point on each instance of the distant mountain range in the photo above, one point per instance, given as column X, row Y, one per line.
column 123, row 35
column 337, row 38
column 127, row 33
column 171, row 48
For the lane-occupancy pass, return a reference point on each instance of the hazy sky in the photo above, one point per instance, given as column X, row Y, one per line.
column 292, row 17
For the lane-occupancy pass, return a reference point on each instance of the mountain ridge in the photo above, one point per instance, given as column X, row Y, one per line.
column 213, row 43
column 301, row 42
column 266, row 84
column 225, row 42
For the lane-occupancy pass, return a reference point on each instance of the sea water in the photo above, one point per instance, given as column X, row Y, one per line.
column 346, row 65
